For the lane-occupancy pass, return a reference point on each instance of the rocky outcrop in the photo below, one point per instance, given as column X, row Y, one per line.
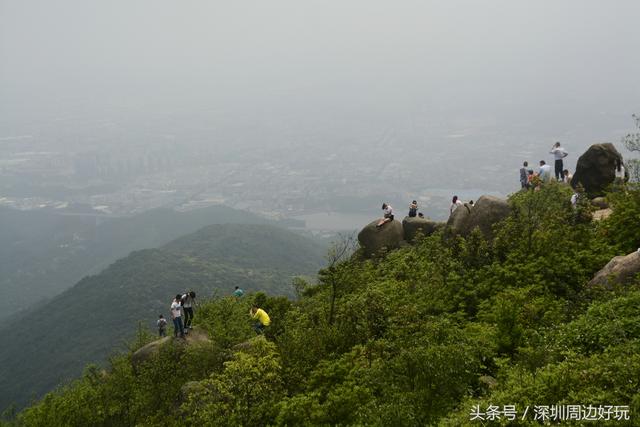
column 596, row 168
column 195, row 336
column 600, row 202
column 620, row 270
column 373, row 238
column 602, row 214
column 458, row 218
column 414, row 226
column 487, row 211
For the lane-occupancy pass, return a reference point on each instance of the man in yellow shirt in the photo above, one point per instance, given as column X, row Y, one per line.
column 261, row 317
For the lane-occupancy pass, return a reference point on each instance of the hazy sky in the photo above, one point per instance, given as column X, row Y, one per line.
column 300, row 60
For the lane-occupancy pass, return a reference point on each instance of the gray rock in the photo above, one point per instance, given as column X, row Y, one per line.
column 600, row 202
column 596, row 168
column 620, row 270
column 195, row 336
column 373, row 239
column 413, row 226
column 486, row 212
column 458, row 218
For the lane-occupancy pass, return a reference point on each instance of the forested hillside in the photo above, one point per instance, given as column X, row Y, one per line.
column 44, row 253
column 419, row 336
column 101, row 313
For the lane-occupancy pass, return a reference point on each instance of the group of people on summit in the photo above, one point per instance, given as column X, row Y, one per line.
column 183, row 305
column 528, row 179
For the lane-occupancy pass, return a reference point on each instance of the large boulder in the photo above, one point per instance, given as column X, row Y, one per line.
column 373, row 238
column 413, row 226
column 596, row 168
column 459, row 217
column 600, row 203
column 195, row 336
column 486, row 212
column 620, row 270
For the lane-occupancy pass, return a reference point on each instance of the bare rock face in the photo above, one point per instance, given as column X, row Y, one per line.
column 373, row 238
column 596, row 168
column 620, row 270
column 413, row 226
column 602, row 214
column 194, row 337
column 459, row 217
column 487, row 211
column 600, row 202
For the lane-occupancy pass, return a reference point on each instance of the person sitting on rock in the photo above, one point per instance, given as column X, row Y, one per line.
column 261, row 317
column 162, row 326
column 420, row 215
column 176, row 316
column 455, row 203
column 238, row 292
column 413, row 209
column 388, row 215
column 567, row 176
column 470, row 203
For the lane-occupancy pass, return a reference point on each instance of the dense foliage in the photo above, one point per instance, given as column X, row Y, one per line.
column 419, row 336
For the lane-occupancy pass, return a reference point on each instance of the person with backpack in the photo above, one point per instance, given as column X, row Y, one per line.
column 176, row 316
column 162, row 326
column 188, row 304
column 261, row 317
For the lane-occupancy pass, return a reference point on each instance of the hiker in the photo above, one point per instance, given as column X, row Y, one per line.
column 238, row 292
column 567, row 176
column 176, row 316
column 388, row 215
column 413, row 209
column 471, row 203
column 261, row 317
column 455, row 203
column 420, row 215
column 162, row 326
column 558, row 154
column 524, row 181
column 530, row 176
column 188, row 304
column 545, row 171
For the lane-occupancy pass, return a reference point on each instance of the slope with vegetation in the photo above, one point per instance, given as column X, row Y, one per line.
column 414, row 337
column 44, row 252
column 52, row 343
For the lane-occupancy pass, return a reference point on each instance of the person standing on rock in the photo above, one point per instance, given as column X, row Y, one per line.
column 162, row 326
column 559, row 153
column 413, row 209
column 176, row 316
column 545, row 171
column 388, row 215
column 188, row 304
column 455, row 203
column 524, row 177
column 238, row 292
column 261, row 317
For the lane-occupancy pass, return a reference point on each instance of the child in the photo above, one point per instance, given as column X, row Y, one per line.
column 162, row 326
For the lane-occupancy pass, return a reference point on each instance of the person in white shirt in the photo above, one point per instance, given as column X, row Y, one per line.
column 176, row 315
column 455, row 203
column 388, row 214
column 545, row 171
column 558, row 154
